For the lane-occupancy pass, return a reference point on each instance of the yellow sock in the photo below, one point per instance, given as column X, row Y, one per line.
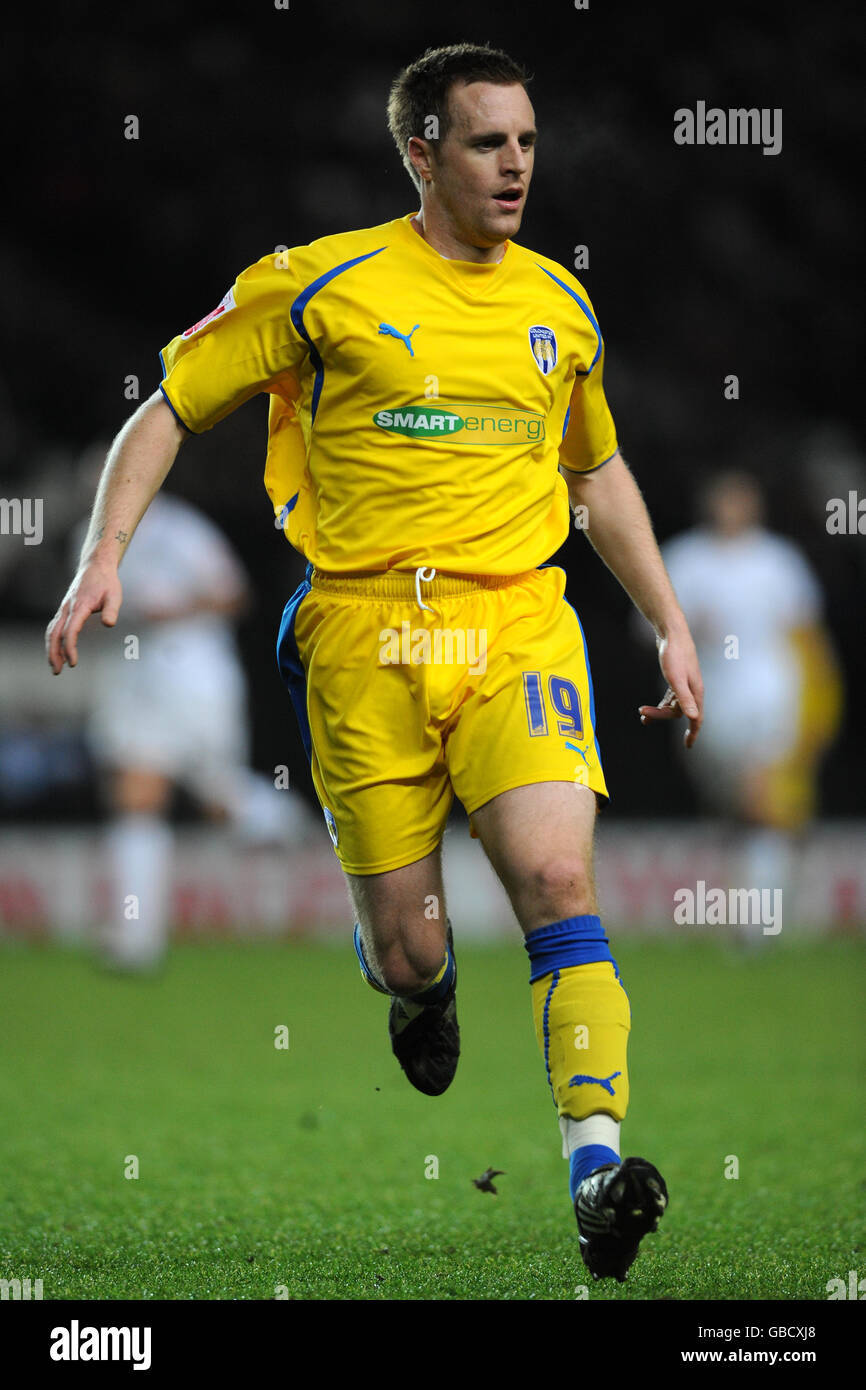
column 582, row 1022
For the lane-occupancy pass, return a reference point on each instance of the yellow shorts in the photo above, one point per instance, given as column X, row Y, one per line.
column 402, row 706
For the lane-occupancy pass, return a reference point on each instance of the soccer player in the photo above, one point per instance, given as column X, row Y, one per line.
column 754, row 606
column 175, row 714
column 428, row 379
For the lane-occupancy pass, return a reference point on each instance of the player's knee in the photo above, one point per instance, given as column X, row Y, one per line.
column 400, row 977
column 408, row 967
column 560, row 888
column 140, row 792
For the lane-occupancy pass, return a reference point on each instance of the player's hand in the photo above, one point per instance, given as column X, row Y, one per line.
column 95, row 589
column 685, row 693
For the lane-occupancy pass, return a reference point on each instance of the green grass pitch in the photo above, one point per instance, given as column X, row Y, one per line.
column 300, row 1172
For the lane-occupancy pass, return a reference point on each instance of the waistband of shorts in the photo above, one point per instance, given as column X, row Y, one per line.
column 401, row 584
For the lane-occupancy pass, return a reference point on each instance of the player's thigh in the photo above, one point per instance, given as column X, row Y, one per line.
column 376, row 757
column 129, row 729
column 523, row 755
column 215, row 734
column 539, row 839
column 528, row 714
column 402, row 918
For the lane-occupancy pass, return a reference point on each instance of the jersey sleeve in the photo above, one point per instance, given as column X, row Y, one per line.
column 589, row 439
column 241, row 348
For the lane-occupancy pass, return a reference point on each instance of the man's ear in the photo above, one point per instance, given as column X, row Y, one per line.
column 420, row 155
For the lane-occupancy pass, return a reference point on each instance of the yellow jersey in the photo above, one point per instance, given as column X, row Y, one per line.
column 419, row 406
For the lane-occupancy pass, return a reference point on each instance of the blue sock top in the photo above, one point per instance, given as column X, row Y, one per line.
column 573, row 941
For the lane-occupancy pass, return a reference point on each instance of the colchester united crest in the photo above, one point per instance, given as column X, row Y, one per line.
column 542, row 341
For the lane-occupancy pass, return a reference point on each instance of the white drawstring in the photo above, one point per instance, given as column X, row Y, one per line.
column 428, row 575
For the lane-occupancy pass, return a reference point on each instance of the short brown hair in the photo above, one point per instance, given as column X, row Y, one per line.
column 421, row 89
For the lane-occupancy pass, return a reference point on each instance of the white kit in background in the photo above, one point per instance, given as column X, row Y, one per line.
column 171, row 699
column 756, row 588
column 743, row 596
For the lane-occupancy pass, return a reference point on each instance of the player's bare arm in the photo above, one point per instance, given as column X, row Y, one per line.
column 620, row 530
column 137, row 465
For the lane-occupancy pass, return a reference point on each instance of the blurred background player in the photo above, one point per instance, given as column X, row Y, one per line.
column 772, row 681
column 170, row 710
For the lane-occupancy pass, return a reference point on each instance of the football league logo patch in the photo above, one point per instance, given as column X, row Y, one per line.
column 542, row 341
column 227, row 302
column 332, row 826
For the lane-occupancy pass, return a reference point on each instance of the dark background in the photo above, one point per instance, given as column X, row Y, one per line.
column 261, row 127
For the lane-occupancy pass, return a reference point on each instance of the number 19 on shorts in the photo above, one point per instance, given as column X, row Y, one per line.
column 564, row 698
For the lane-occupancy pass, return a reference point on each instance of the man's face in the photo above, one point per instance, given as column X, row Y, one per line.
column 481, row 170
column 735, row 506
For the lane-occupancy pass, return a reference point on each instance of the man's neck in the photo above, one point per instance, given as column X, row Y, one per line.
column 449, row 246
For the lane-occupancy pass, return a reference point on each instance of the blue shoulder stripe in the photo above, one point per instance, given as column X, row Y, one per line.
column 586, row 309
column 167, row 401
column 297, row 317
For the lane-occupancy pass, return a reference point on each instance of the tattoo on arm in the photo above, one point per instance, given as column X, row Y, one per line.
column 121, row 536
